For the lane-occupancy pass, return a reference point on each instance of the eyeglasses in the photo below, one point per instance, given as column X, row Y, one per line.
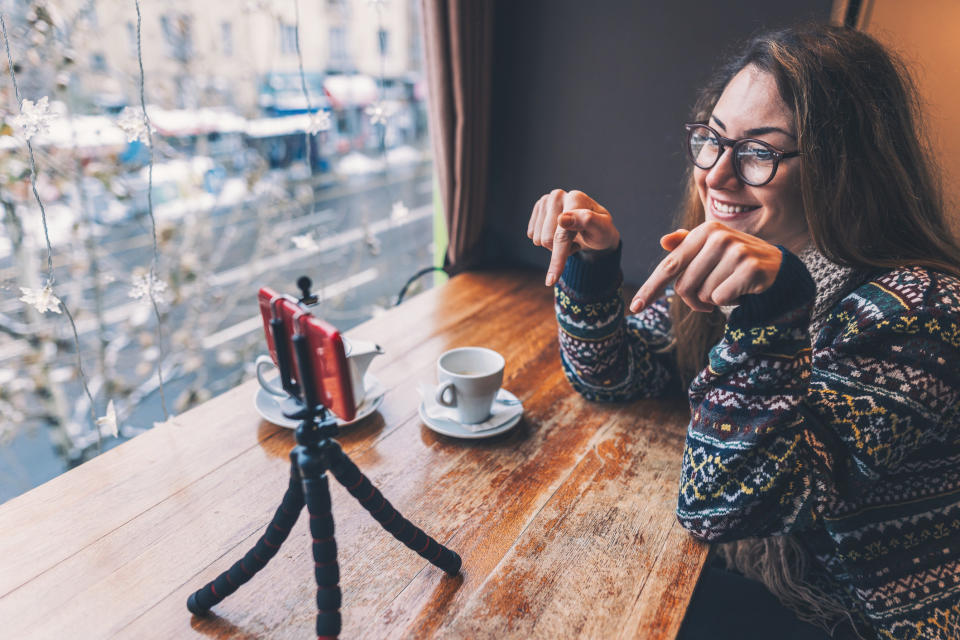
column 754, row 161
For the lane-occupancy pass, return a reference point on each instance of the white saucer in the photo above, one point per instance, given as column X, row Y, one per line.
column 454, row 429
column 268, row 405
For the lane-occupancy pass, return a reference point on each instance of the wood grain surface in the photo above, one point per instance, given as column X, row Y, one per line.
column 565, row 523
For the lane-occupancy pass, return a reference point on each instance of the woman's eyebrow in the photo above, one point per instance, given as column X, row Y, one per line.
column 759, row 131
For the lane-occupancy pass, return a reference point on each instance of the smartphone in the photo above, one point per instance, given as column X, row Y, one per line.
column 286, row 307
column 330, row 366
column 330, row 377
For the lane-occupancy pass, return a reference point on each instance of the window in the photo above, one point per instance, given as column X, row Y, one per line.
column 339, row 58
column 177, row 35
column 226, row 36
column 248, row 189
column 288, row 39
column 383, row 41
column 132, row 38
column 92, row 16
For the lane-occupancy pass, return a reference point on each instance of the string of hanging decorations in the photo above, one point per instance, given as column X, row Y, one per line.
column 35, row 118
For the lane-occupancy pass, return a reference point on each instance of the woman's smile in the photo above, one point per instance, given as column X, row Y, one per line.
column 728, row 210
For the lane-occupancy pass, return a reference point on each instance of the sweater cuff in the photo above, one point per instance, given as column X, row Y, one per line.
column 792, row 289
column 595, row 276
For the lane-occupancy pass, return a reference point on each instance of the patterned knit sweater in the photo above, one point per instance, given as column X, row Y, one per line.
column 848, row 440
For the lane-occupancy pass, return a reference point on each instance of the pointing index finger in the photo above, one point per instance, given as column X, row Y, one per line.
column 673, row 239
column 562, row 248
column 568, row 226
column 668, row 270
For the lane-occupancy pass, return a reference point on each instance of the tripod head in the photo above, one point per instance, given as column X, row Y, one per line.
column 316, row 423
column 306, row 298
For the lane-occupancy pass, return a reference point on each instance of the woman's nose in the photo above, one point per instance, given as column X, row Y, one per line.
column 722, row 175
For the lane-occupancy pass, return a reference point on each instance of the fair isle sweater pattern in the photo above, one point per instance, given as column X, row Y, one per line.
column 848, row 440
column 608, row 358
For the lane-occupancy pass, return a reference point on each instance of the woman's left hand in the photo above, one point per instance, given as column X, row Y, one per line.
column 713, row 266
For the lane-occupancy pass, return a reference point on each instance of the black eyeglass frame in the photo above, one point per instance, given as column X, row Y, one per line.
column 732, row 143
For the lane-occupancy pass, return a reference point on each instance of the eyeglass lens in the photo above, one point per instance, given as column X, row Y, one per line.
column 755, row 162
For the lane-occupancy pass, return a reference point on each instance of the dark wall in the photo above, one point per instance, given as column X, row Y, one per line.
column 593, row 96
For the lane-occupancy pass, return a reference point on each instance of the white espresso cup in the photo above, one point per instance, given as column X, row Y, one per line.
column 469, row 378
column 271, row 382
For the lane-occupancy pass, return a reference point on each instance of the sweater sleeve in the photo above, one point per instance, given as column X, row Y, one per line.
column 779, row 429
column 608, row 357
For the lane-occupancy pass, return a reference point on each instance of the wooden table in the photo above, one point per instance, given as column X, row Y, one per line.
column 565, row 524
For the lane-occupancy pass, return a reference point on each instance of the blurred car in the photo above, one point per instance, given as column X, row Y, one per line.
column 190, row 185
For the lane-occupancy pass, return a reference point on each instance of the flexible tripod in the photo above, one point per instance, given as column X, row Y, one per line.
column 316, row 453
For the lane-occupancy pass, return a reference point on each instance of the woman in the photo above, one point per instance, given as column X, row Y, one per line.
column 815, row 323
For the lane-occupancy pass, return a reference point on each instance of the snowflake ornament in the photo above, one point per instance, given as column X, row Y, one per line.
column 399, row 211
column 132, row 122
column 377, row 113
column 34, row 118
column 319, row 121
column 305, row 241
column 108, row 422
column 147, row 287
column 41, row 299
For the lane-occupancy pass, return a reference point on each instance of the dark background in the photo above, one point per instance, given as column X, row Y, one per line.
column 593, row 96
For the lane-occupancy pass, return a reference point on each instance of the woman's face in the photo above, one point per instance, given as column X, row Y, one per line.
column 751, row 107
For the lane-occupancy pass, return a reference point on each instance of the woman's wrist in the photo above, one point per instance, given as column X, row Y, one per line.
column 591, row 255
column 594, row 276
column 792, row 288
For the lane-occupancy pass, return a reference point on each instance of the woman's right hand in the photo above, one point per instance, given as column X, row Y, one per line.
column 568, row 221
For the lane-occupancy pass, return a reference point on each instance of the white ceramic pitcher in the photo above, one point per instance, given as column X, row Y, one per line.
column 360, row 353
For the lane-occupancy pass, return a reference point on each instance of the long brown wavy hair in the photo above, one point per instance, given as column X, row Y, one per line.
column 871, row 194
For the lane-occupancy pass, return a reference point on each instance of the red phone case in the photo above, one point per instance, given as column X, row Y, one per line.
column 286, row 307
column 331, row 371
column 330, row 366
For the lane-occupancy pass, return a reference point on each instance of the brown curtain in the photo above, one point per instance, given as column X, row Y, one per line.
column 458, row 49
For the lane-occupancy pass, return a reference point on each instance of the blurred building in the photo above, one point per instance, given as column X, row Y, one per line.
column 243, row 53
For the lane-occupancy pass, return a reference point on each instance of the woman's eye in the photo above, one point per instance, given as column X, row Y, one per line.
column 758, row 154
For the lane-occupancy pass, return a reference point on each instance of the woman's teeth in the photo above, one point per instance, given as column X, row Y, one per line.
column 730, row 208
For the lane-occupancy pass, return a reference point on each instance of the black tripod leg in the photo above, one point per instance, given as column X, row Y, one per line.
column 257, row 558
column 326, row 570
column 350, row 476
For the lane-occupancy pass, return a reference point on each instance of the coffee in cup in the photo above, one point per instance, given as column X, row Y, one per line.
column 469, row 379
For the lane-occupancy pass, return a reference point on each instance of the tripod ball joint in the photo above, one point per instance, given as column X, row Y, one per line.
column 328, row 624
column 329, row 599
